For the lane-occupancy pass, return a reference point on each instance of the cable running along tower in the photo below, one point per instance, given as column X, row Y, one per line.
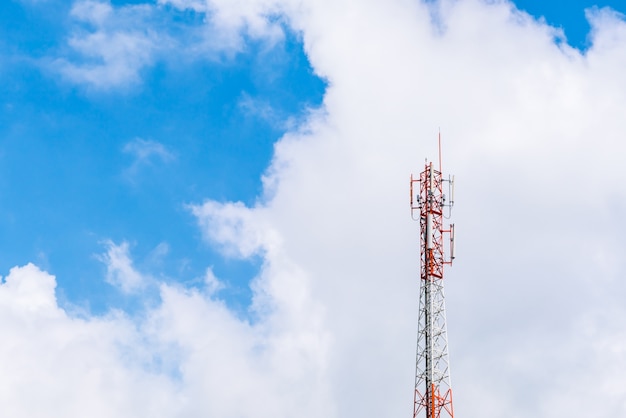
column 433, row 392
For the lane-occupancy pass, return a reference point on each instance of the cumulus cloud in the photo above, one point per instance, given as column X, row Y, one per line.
column 189, row 356
column 56, row 365
column 532, row 129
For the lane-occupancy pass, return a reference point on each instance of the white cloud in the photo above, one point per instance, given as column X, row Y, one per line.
column 607, row 28
column 94, row 12
column 231, row 227
column 23, row 292
column 212, row 283
column 55, row 365
column 146, row 151
column 110, row 45
column 258, row 108
column 120, row 270
column 229, row 20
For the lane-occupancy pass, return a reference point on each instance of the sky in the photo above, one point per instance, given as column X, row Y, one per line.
column 205, row 205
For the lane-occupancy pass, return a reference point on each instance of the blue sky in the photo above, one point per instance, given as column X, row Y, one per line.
column 71, row 174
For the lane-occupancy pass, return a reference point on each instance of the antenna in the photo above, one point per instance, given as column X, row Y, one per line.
column 452, row 192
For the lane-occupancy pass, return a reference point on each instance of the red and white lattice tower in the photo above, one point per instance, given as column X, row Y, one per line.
column 433, row 391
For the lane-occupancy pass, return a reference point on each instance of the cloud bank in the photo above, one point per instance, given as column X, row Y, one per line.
column 533, row 131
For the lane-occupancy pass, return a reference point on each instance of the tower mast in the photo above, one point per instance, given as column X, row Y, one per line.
column 433, row 391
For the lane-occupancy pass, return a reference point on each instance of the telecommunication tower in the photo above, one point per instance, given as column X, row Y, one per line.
column 433, row 391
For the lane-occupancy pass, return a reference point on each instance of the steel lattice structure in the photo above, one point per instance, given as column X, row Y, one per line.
column 433, row 391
